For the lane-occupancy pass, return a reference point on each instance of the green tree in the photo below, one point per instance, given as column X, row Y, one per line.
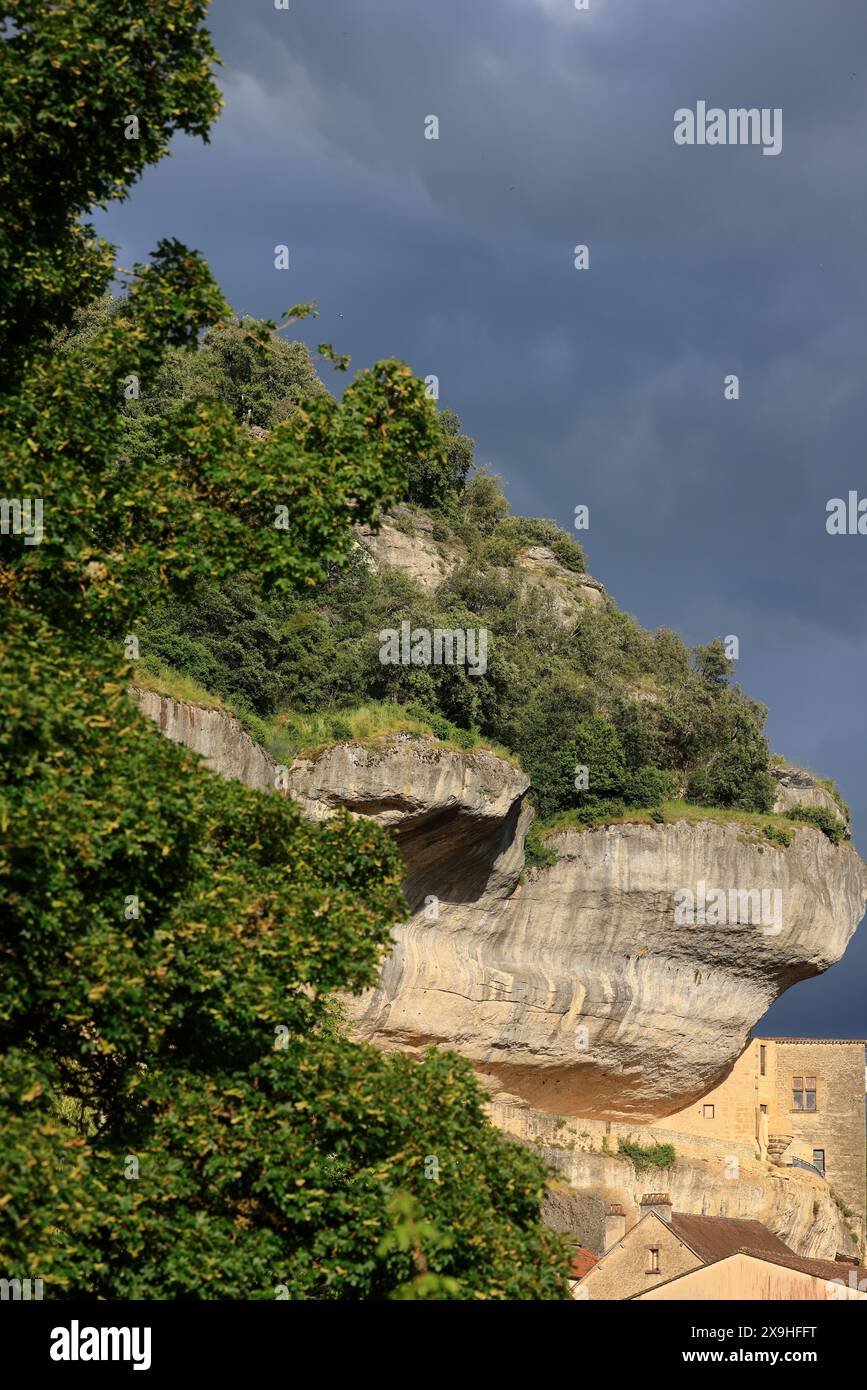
column 548, row 745
column 436, row 477
column 483, row 503
column 161, row 929
column 262, row 378
column 734, row 769
column 712, row 662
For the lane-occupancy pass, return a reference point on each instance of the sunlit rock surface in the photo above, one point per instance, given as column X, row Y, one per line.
column 575, row 990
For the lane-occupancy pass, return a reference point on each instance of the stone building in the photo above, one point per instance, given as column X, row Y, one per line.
column 801, row 1101
column 760, row 1276
column 674, row 1254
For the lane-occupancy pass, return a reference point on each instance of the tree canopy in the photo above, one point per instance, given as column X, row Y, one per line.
column 181, row 1113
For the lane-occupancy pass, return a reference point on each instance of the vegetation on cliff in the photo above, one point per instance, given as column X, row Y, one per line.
column 648, row 720
column 644, row 715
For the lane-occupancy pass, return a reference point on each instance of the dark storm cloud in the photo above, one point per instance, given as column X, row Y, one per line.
column 604, row 387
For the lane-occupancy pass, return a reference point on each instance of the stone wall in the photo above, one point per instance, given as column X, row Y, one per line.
column 729, row 1112
column 627, row 1267
column 837, row 1125
column 796, row 1205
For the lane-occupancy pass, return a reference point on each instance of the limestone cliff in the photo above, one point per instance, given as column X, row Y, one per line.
column 223, row 744
column 794, row 1205
column 575, row 990
column 591, row 943
column 508, row 965
column 456, row 814
column 407, row 540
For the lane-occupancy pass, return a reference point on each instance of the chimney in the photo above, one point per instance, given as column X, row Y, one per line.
column 660, row 1202
column 615, row 1224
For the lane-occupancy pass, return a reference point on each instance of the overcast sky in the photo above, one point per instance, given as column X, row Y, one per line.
column 603, row 386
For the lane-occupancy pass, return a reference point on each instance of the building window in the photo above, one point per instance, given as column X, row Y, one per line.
column 764, row 1109
column 653, row 1256
column 819, row 1160
column 708, row 1112
column 763, row 1055
column 803, row 1093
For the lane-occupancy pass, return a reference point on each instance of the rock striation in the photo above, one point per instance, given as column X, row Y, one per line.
column 570, row 986
column 221, row 741
column 580, row 993
column 456, row 814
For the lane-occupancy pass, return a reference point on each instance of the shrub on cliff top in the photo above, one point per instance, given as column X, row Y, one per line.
column 674, row 712
column 822, row 818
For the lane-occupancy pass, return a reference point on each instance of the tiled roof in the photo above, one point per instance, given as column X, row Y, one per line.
column 819, row 1042
column 819, row 1269
column 583, row 1260
column 714, row 1237
column 822, row 1269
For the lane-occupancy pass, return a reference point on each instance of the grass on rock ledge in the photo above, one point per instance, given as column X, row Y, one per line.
column 289, row 734
column 769, row 826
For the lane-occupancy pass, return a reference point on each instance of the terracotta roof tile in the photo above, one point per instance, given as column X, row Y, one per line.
column 582, row 1261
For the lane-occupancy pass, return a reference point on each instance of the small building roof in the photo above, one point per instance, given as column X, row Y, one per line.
column 584, row 1260
column 819, row 1269
column 714, row 1237
column 823, row 1269
column 710, row 1238
column 819, row 1042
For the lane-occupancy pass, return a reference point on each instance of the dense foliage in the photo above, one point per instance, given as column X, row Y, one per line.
column 823, row 819
column 180, row 1112
column 436, row 477
column 641, row 714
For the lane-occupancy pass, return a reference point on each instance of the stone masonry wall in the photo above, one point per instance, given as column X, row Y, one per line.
column 837, row 1125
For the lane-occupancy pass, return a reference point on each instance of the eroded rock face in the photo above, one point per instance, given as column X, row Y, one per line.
column 510, row 974
column 592, row 943
column 405, row 541
column 797, row 1208
column 226, row 747
column 456, row 814
column 563, row 589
